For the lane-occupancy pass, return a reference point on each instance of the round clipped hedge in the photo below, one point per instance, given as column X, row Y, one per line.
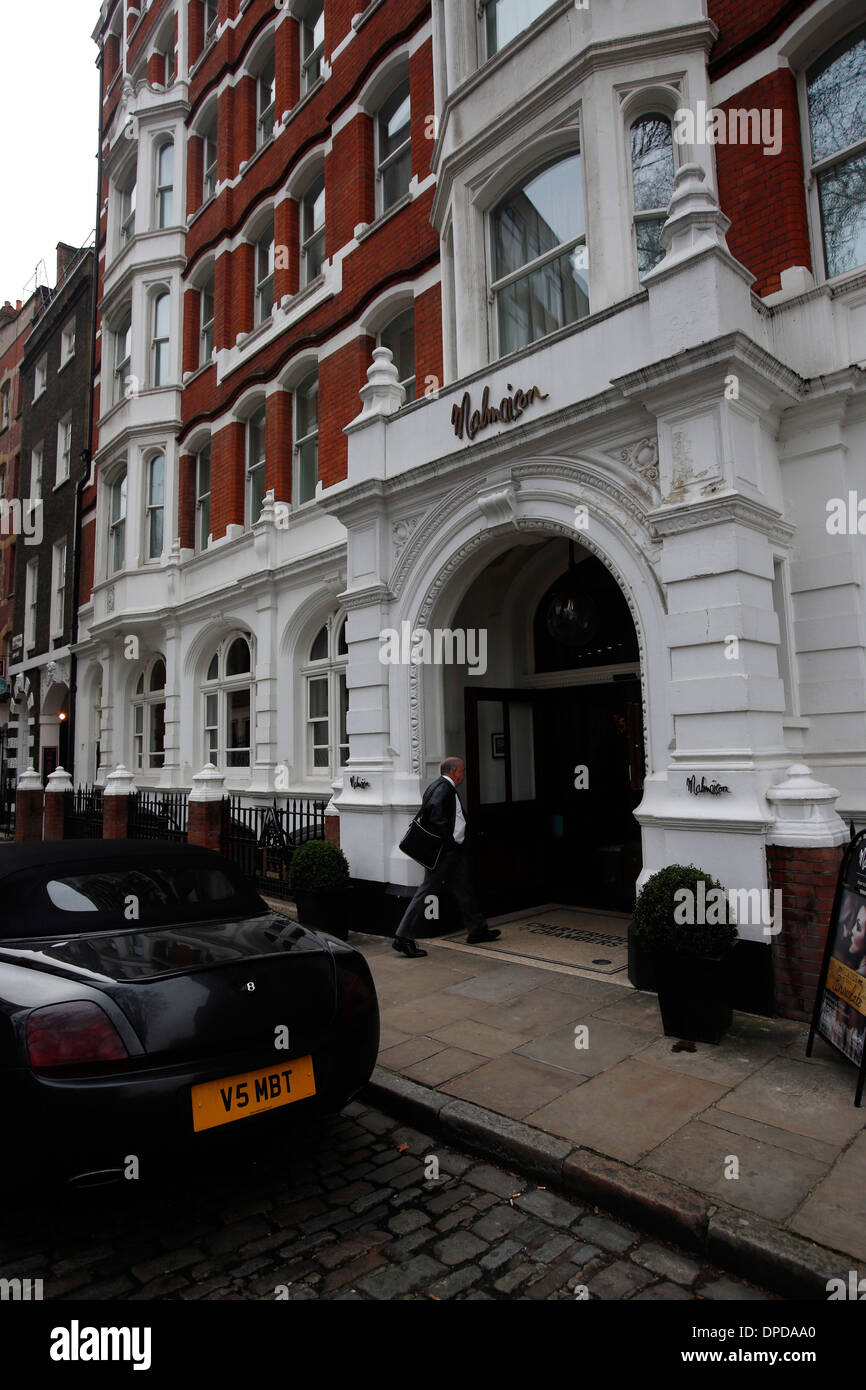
column 657, row 911
column 318, row 867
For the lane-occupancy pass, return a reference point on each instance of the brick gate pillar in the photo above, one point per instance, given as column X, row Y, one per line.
column 120, row 788
column 28, row 806
column 58, row 794
column 804, row 851
column 206, row 808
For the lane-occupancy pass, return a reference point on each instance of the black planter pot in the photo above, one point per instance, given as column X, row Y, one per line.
column 694, row 996
column 641, row 963
column 328, row 911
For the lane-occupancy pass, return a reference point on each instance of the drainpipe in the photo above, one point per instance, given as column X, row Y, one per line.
column 86, row 453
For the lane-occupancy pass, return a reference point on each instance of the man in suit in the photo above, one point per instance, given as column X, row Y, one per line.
column 442, row 813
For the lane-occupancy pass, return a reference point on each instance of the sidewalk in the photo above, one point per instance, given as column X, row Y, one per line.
column 484, row 1049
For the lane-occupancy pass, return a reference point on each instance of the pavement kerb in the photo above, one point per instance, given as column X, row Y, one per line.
column 739, row 1242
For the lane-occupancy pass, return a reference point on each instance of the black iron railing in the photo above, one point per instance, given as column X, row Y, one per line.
column 262, row 839
column 84, row 814
column 158, row 815
column 8, row 792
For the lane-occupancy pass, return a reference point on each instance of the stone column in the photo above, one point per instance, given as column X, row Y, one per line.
column 332, row 820
column 804, row 851
column 28, row 806
column 206, row 808
column 120, row 788
column 171, row 773
column 58, row 795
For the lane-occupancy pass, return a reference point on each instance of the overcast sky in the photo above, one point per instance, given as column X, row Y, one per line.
column 49, row 99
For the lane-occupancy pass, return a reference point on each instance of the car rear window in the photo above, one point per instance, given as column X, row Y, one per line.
column 69, row 899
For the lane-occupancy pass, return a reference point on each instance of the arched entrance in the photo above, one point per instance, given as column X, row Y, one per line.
column 551, row 729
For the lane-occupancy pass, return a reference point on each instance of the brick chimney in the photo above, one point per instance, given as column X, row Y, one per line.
column 65, row 256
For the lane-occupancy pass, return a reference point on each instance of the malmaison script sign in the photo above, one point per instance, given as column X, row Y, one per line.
column 467, row 421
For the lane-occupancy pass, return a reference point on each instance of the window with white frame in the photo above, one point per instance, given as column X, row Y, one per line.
column 31, row 584
column 227, row 696
column 155, row 506
column 265, row 274
column 4, row 407
column 399, row 336
column 40, row 380
column 206, row 319
column 326, row 702
column 127, row 208
column 122, row 355
column 836, row 97
column 255, row 494
column 169, row 49
column 209, row 161
column 202, row 498
column 393, row 148
column 211, row 19
column 58, row 588
column 117, row 522
column 652, row 176
column 148, row 717
column 313, row 230
column 36, row 472
column 160, row 339
column 538, row 253
column 164, row 183
column 505, row 19
column 64, row 448
column 266, row 95
column 312, row 45
column 67, row 342
column 306, row 433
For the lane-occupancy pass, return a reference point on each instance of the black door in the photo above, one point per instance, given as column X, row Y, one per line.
column 553, row 777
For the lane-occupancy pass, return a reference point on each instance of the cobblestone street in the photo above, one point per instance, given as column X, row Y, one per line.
column 356, row 1213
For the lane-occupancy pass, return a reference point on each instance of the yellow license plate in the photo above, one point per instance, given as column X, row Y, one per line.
column 251, row 1093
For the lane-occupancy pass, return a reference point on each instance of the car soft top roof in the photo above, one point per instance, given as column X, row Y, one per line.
column 76, row 854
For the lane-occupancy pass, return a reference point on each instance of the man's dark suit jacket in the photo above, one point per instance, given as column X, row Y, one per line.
column 439, row 810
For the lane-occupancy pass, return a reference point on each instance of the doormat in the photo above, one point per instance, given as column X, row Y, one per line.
column 564, row 936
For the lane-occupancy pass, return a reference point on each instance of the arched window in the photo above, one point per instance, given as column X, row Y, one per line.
column 265, row 274
column 227, row 692
column 266, row 92
column 326, row 701
column 117, row 522
column 393, row 148
column 312, row 45
column 307, row 438
column 148, row 717
column 202, row 498
column 209, row 160
column 399, row 336
column 255, row 466
column 539, row 258
column 127, row 207
column 836, row 95
column 161, row 338
column 313, row 230
column 122, row 354
column 207, row 299
column 652, row 173
column 164, row 183
column 155, row 506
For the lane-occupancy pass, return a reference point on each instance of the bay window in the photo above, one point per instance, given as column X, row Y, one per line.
column 326, row 702
column 652, row 174
column 148, row 718
column 837, row 125
column 227, row 694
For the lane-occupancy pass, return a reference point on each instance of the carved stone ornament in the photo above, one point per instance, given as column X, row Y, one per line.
column 400, row 533
column 109, row 599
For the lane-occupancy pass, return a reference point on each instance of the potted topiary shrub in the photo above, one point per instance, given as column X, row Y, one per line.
column 319, row 881
column 683, row 922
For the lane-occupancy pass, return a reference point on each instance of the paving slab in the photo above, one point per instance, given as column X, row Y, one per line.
column 403, row 1054
column 500, row 983
column 772, row 1181
column 628, row 1110
column 807, row 1100
column 443, row 1066
column 636, row 1010
column 429, row 1012
column 511, row 1085
column 479, row 1037
column 727, row 1062
column 607, row 1044
column 772, row 1134
column 835, row 1213
column 535, row 1012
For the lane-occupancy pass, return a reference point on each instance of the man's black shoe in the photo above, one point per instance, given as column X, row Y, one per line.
column 488, row 934
column 406, row 946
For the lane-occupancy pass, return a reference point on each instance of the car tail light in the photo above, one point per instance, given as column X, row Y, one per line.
column 72, row 1035
column 359, row 994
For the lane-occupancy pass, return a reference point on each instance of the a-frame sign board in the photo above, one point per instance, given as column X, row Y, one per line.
column 839, row 1016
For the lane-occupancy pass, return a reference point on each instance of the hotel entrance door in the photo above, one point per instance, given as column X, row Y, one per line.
column 553, row 777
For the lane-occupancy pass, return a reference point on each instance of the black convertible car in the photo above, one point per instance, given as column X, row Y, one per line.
column 151, row 1004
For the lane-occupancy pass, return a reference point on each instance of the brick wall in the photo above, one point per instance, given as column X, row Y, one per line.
column 186, row 501
column 807, row 881
column 349, row 182
column 764, row 194
column 428, row 339
column 191, row 324
column 341, row 376
column 278, row 445
column 227, row 478
column 747, row 26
